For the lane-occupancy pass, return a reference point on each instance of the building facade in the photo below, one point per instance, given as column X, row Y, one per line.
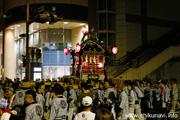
column 50, row 38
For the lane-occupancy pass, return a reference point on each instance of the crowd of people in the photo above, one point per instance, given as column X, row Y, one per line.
column 92, row 100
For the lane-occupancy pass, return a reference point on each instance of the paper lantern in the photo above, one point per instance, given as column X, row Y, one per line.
column 78, row 48
column 114, row 50
column 66, row 51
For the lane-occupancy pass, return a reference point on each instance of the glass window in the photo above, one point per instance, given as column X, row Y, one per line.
column 68, row 39
column 45, row 71
column 21, row 45
column 36, row 39
column 56, row 39
column 111, row 5
column 31, row 41
column 102, row 21
column 102, row 4
column 44, row 41
column 24, row 45
column 111, row 21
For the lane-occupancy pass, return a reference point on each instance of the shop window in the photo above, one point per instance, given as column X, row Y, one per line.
column 56, row 39
column 44, row 40
column 68, row 40
column 31, row 41
column 36, row 39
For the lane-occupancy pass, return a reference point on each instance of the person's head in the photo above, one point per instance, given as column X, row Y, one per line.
column 58, row 89
column 97, row 83
column 138, row 82
column 101, row 85
column 84, row 86
column 30, row 96
column 87, row 103
column 104, row 114
column 47, row 87
column 11, row 83
column 70, row 86
column 9, row 92
column 135, row 83
column 125, row 83
column 173, row 81
column 106, row 84
column 148, row 84
column 130, row 86
column 39, row 87
column 157, row 84
column 163, row 83
column 141, row 84
column 119, row 88
column 93, row 83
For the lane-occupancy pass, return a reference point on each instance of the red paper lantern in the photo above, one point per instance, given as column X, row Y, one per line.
column 84, row 63
column 100, row 65
column 84, row 30
column 114, row 50
column 66, row 51
column 78, row 48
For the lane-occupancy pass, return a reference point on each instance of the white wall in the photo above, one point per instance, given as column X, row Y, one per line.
column 10, row 55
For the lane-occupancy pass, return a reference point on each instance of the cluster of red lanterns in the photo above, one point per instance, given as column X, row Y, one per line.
column 78, row 48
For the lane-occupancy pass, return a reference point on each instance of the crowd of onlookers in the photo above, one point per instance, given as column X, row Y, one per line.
column 92, row 100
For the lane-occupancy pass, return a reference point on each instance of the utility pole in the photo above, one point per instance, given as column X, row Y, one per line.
column 27, row 42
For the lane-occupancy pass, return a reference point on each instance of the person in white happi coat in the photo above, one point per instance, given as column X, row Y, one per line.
column 109, row 97
column 138, row 95
column 39, row 96
column 86, row 113
column 174, row 94
column 10, row 97
column 34, row 110
column 19, row 97
column 165, row 97
column 100, row 94
column 132, row 99
column 125, row 86
column 157, row 93
column 59, row 104
column 123, row 104
column 71, row 101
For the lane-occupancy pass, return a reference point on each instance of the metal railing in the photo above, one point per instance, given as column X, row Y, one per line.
column 147, row 51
